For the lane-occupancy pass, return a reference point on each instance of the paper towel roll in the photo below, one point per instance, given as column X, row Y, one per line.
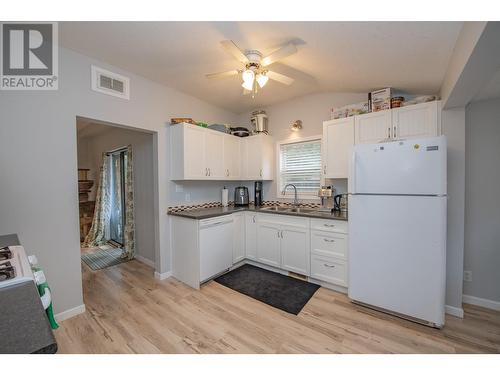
column 225, row 197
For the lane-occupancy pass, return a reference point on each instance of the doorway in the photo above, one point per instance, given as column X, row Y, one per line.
column 122, row 160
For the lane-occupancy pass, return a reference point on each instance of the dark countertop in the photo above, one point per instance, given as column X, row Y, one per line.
column 24, row 327
column 206, row 213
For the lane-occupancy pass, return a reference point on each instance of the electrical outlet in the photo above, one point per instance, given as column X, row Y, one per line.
column 187, row 197
column 467, row 275
column 179, row 188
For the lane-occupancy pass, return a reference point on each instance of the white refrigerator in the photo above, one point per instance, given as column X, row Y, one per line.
column 397, row 228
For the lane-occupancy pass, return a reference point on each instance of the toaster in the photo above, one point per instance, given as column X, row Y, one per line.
column 241, row 196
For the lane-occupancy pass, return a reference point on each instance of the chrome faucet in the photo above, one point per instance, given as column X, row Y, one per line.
column 295, row 199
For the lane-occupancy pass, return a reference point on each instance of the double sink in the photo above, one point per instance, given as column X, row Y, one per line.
column 297, row 210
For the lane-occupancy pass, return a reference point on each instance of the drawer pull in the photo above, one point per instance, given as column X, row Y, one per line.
column 327, row 240
column 329, row 225
column 328, row 265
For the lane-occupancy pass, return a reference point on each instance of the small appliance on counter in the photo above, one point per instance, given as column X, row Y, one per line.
column 340, row 202
column 258, row 193
column 241, row 196
column 326, row 194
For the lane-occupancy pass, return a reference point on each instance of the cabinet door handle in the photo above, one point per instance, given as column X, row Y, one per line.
column 324, row 169
column 253, row 218
column 394, row 132
column 206, row 171
column 389, row 133
column 328, row 265
column 227, row 173
column 327, row 240
column 261, row 173
column 281, row 234
column 209, row 172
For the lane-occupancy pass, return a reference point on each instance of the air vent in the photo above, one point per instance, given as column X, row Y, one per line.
column 110, row 83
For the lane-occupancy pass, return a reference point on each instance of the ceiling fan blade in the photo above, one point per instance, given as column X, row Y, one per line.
column 281, row 78
column 229, row 73
column 281, row 53
column 233, row 49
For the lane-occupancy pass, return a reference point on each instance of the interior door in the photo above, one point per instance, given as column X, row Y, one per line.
column 338, row 139
column 268, row 244
column 295, row 247
column 373, row 127
column 194, row 145
column 214, row 154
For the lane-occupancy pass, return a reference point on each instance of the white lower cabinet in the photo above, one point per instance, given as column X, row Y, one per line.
column 329, row 251
column 239, row 237
column 268, row 244
column 329, row 269
column 295, row 249
column 251, row 235
column 316, row 248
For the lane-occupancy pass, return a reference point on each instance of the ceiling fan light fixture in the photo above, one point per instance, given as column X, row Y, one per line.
column 262, row 79
column 248, row 76
column 247, row 85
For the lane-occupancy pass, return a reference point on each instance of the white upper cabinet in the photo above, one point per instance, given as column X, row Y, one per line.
column 214, row 154
column 232, row 157
column 203, row 154
column 338, row 139
column 416, row 121
column 373, row 127
column 413, row 121
column 194, row 166
column 258, row 157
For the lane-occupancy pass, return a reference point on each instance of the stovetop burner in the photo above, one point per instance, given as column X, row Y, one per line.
column 5, row 253
column 7, row 271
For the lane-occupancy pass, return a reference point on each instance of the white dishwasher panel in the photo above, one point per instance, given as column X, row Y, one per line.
column 216, row 246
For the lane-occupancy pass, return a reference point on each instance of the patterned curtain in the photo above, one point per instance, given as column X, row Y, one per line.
column 129, row 225
column 96, row 235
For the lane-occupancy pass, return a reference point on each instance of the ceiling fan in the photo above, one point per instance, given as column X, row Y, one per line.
column 255, row 73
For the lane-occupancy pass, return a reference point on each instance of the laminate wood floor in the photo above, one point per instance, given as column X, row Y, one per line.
column 128, row 311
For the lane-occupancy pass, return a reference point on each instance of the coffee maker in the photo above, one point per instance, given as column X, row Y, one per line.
column 258, row 193
column 326, row 194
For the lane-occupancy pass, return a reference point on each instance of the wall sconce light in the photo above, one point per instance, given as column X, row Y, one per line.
column 296, row 126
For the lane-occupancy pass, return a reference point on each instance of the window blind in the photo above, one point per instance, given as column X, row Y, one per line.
column 300, row 164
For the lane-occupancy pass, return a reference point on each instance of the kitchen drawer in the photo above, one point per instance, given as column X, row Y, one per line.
column 329, row 225
column 328, row 269
column 330, row 244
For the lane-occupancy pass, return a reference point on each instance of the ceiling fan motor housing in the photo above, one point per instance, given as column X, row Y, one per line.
column 253, row 56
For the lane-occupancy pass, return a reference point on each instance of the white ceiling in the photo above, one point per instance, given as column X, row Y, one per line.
column 332, row 56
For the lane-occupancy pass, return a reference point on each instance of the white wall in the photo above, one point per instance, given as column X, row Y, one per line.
column 312, row 110
column 38, row 162
column 482, row 203
column 453, row 125
column 142, row 149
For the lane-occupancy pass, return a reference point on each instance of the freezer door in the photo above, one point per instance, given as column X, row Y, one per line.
column 411, row 167
column 397, row 254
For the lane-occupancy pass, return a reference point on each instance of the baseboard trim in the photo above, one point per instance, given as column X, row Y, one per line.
column 455, row 311
column 163, row 276
column 146, row 261
column 483, row 302
column 70, row 313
